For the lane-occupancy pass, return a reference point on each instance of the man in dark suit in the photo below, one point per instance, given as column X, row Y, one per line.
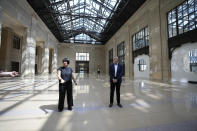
column 115, row 72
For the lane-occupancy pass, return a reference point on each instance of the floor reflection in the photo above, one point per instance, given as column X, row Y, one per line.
column 80, row 89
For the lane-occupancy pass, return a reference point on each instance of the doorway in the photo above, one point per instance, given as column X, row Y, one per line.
column 82, row 67
column 50, row 60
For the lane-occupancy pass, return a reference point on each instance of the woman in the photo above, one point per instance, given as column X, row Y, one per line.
column 65, row 76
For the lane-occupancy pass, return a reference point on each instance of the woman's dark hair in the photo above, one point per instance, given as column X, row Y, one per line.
column 66, row 60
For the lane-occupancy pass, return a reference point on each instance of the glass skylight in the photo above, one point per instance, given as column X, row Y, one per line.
column 84, row 15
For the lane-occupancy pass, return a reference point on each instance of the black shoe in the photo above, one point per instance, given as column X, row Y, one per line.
column 119, row 105
column 70, row 108
column 59, row 110
column 110, row 105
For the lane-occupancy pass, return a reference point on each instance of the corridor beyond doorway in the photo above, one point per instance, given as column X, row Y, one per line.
column 82, row 67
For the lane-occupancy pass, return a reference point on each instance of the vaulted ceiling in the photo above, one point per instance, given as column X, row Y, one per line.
column 85, row 21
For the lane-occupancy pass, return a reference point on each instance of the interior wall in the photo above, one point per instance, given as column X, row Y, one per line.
column 180, row 66
column 96, row 55
column 152, row 13
column 138, row 21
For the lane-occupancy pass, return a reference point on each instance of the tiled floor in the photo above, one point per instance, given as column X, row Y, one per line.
column 31, row 105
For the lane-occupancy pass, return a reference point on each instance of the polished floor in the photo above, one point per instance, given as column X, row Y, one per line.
column 30, row 104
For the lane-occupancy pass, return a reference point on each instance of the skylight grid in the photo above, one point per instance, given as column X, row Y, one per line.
column 83, row 37
column 90, row 15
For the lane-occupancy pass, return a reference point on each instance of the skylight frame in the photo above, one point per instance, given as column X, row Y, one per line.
column 97, row 11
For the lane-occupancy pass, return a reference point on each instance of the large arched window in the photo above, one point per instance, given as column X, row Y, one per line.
column 141, row 39
column 182, row 18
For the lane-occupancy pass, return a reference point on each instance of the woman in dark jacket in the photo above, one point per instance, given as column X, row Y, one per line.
column 65, row 76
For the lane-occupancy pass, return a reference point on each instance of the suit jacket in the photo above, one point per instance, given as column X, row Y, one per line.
column 119, row 72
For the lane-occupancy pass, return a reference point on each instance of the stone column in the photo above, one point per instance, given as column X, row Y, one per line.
column 127, row 50
column 155, row 43
column 40, row 49
column 0, row 24
column 8, row 41
column 54, row 60
column 5, row 63
column 45, row 60
column 28, row 54
column 39, row 46
column 115, row 46
column 166, row 68
column 131, row 65
column 106, row 60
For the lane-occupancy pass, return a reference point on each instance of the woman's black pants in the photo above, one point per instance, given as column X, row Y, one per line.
column 63, row 89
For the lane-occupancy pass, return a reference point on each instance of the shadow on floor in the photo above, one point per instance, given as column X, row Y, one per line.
column 45, row 108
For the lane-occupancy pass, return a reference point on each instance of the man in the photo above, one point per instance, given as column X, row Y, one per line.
column 115, row 72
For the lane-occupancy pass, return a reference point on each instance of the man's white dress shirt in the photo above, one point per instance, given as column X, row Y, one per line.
column 116, row 68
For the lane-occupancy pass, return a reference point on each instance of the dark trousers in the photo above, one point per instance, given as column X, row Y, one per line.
column 114, row 86
column 63, row 89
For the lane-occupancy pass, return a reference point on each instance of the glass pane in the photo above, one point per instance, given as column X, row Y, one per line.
column 173, row 16
column 196, row 18
column 134, row 42
column 191, row 6
column 185, row 23
column 169, row 18
column 180, row 8
column 195, row 5
column 170, row 31
column 191, row 26
column 184, row 5
column 174, row 29
column 180, row 28
column 180, row 15
column 191, row 17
